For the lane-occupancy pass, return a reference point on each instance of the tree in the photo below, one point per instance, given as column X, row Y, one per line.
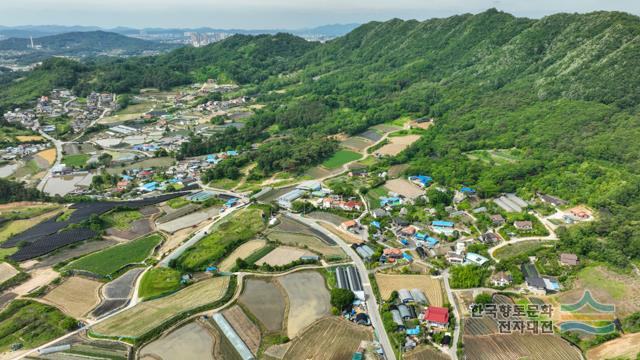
column 483, row 299
column 342, row 298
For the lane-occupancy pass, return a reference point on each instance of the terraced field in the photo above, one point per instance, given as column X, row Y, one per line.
column 140, row 319
column 270, row 313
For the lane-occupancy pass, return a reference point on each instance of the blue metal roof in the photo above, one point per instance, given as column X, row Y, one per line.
column 442, row 223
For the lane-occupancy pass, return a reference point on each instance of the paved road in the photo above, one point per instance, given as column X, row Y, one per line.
column 453, row 350
column 372, row 305
column 198, row 236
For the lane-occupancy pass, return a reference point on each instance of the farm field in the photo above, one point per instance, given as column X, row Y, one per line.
column 135, row 229
column 76, row 161
column 17, row 226
column 516, row 249
column 159, row 162
column 29, row 138
column 121, row 287
column 121, row 220
column 282, row 255
column 108, row 261
column 76, row 296
column 307, row 241
column 425, row 353
column 189, row 220
column 75, row 252
column 188, row 342
column 269, row 313
column 607, row 287
column 308, row 299
column 241, row 252
column 404, row 187
column 48, row 155
column 32, row 324
column 624, row 347
column 356, row 143
column 7, row 272
column 140, row 319
column 238, row 228
column 431, row 287
column 177, row 203
column 330, row 339
column 325, row 216
column 247, row 330
column 340, row 158
column 397, row 144
column 158, row 281
column 517, row 346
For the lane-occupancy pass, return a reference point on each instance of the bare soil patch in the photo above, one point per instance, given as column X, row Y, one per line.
column 283, row 255
column 7, row 272
column 397, row 144
column 625, row 347
column 137, row 229
column 404, row 187
column 247, row 330
column 431, row 287
column 241, row 252
column 518, row 346
column 269, row 313
column 330, row 339
column 308, row 299
column 48, row 155
column 76, row 296
column 308, row 242
column 426, row 353
column 192, row 341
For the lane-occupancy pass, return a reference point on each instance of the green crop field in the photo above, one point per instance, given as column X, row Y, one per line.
column 177, row 203
column 159, row 281
column 107, row 262
column 78, row 160
column 122, row 219
column 32, row 324
column 241, row 227
column 340, row 158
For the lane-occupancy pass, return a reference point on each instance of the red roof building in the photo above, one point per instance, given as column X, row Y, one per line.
column 437, row 316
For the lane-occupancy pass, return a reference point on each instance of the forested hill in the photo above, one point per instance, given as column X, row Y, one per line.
column 81, row 44
column 562, row 91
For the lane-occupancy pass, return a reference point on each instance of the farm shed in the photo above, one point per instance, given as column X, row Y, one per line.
column 405, row 312
column 233, row 337
column 397, row 318
column 405, row 296
column 419, row 296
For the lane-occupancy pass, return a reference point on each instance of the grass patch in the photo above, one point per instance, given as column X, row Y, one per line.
column 32, row 324
column 512, row 250
column 340, row 158
column 76, row 161
column 109, row 261
column 177, row 203
column 122, row 219
column 239, row 228
column 159, row 281
column 594, row 278
column 226, row 184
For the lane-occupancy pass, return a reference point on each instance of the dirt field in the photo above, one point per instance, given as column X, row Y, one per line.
column 347, row 237
column 121, row 287
column 283, row 255
column 356, row 143
column 607, row 287
column 192, row 341
column 39, row 278
column 7, row 272
column 189, row 220
column 241, row 252
column 307, row 241
column 137, row 229
column 145, row 316
column 76, row 296
column 330, row 339
column 625, row 347
column 247, row 330
column 397, row 144
column 27, row 138
column 426, row 353
column 332, row 218
column 308, row 299
column 288, row 225
column 431, row 287
column 517, row 346
column 49, row 155
column 404, row 187
column 269, row 313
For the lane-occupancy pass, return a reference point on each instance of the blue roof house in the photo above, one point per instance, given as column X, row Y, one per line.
column 467, row 190
column 442, row 223
column 422, row 180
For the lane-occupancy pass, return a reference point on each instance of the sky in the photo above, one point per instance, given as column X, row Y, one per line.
column 272, row 14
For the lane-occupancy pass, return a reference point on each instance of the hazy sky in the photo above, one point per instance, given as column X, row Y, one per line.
column 260, row 14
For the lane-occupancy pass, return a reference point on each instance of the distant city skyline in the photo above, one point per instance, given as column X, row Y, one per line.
column 273, row 14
